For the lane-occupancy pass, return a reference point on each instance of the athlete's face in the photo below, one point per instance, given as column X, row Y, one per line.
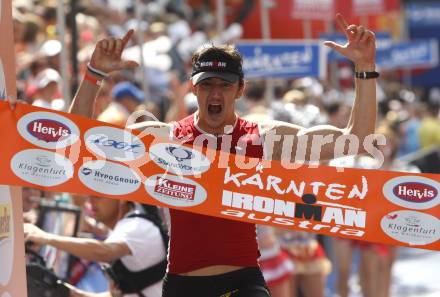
column 216, row 99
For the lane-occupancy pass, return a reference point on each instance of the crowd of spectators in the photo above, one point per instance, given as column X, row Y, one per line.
column 170, row 31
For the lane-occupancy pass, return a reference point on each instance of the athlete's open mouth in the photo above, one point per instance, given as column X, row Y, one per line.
column 215, row 108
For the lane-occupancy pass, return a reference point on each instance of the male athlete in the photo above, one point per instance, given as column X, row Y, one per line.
column 211, row 256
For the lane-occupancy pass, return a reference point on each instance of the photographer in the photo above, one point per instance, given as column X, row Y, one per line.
column 135, row 248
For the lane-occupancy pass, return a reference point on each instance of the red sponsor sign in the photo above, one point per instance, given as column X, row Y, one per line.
column 174, row 189
column 48, row 130
column 415, row 192
column 368, row 7
column 313, row 9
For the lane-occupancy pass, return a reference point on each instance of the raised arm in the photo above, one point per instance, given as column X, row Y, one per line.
column 361, row 50
column 106, row 58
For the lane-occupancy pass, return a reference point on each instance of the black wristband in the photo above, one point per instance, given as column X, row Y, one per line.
column 96, row 72
column 366, row 74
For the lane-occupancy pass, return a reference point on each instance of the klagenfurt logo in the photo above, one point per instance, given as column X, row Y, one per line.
column 41, row 167
column 175, row 190
column 411, row 227
column 109, row 178
column 179, row 159
column 48, row 130
column 414, row 192
column 114, row 144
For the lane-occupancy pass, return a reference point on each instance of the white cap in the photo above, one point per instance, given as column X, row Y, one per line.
column 50, row 48
column 47, row 76
column 179, row 30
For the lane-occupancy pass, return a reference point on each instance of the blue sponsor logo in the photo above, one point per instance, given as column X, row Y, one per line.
column 103, row 140
column 86, row 171
column 180, row 154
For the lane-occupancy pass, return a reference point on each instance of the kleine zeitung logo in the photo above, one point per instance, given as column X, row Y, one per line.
column 42, row 167
column 415, row 192
column 175, row 190
column 114, row 144
column 48, row 130
column 179, row 159
column 411, row 227
column 109, row 178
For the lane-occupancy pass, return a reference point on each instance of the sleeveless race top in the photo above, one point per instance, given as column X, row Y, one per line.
column 199, row 241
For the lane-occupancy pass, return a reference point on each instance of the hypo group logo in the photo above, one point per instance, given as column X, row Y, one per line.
column 414, row 192
column 109, row 178
column 114, row 144
column 411, row 227
column 179, row 159
column 48, row 130
column 6, row 236
column 41, row 167
column 175, row 190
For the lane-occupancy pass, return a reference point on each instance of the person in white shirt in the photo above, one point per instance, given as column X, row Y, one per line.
column 138, row 243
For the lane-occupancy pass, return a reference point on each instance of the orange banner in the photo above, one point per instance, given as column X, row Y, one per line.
column 68, row 153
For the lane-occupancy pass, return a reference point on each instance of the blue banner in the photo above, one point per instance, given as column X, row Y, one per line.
column 423, row 14
column 283, row 59
column 411, row 54
column 383, row 44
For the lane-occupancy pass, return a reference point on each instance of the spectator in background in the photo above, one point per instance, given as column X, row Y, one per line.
column 30, row 197
column 311, row 263
column 50, row 50
column 47, row 92
column 126, row 98
column 135, row 244
column 376, row 258
column 300, row 110
column 275, row 264
column 429, row 131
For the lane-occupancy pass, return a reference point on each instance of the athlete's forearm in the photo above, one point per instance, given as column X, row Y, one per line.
column 84, row 100
column 363, row 114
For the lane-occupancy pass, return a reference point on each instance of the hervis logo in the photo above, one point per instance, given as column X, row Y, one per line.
column 6, row 236
column 48, row 130
column 415, row 192
column 175, row 190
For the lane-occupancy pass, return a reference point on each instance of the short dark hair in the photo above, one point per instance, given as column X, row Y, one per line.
column 220, row 51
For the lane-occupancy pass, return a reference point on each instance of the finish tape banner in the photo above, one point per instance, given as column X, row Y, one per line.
column 67, row 153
